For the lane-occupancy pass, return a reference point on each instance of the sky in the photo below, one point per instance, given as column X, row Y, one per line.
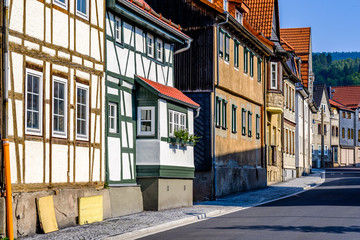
column 335, row 25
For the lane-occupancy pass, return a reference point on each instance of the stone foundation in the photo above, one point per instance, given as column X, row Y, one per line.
column 125, row 200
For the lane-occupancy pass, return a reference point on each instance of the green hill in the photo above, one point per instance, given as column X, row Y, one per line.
column 337, row 69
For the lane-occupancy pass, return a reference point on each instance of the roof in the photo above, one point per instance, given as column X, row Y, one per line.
column 287, row 46
column 148, row 10
column 261, row 15
column 339, row 105
column 319, row 89
column 169, row 92
column 299, row 39
column 348, row 95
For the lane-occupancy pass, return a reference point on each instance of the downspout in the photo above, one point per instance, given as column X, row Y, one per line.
column 265, row 113
column 214, row 118
column 185, row 48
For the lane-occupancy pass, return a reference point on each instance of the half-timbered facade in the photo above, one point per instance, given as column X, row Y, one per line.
column 55, row 120
column 144, row 110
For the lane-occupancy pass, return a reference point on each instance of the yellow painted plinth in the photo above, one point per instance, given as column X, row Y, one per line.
column 90, row 209
column 46, row 211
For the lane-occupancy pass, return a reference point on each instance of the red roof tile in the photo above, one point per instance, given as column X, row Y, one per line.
column 170, row 92
column 348, row 96
column 339, row 105
column 261, row 15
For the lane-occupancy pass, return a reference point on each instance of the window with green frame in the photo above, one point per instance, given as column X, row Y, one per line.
column 236, row 54
column 257, row 126
column 224, row 114
column 246, row 56
column 251, row 64
column 259, row 70
column 233, row 119
column 221, row 43
column 217, row 112
column 249, row 124
column 227, row 47
column 243, row 121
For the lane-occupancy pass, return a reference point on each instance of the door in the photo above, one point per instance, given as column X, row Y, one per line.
column 335, row 155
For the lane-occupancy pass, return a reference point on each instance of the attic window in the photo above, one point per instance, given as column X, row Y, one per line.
column 239, row 16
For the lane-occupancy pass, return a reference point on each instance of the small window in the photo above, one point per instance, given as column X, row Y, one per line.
column 359, row 138
column 333, row 131
column 319, row 129
column 312, row 149
column 236, row 54
column 118, row 30
column 243, row 122
column 348, row 115
column 286, row 96
column 159, row 50
column 82, row 8
column 274, row 76
column 325, row 150
column 150, row 45
column 246, row 56
column 319, row 150
column 33, row 102
column 249, row 124
column 177, row 121
column 251, row 65
column 233, row 119
column 343, row 114
column 286, row 141
column 352, row 133
column 257, row 126
column 348, row 133
column 82, row 111
column 146, row 121
column 325, row 130
column 227, row 47
column 61, row 3
column 239, row 17
column 337, row 131
column 113, row 117
column 224, row 113
column 221, row 43
column 217, row 112
column 343, row 132
column 59, row 107
column 226, row 5
column 259, row 70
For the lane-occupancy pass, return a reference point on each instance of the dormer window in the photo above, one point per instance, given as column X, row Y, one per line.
column 226, row 5
column 239, row 16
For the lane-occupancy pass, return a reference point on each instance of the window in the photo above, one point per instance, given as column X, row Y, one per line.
column 359, row 137
column 319, row 129
column 221, row 43
column 118, row 30
column 59, row 107
column 343, row 132
column 273, row 75
column 325, row 130
column 333, row 131
column 286, row 139
column 146, row 121
column 319, row 150
column 257, row 126
column 236, row 54
column 243, row 122
column 348, row 133
column 112, row 117
column 224, row 113
column 352, row 133
column 217, row 112
column 82, row 8
column 274, row 136
column 251, row 65
column 177, row 120
column 227, row 47
column 325, row 150
column 246, row 51
column 233, row 119
column 150, row 45
column 239, row 16
column 348, row 115
column 286, row 96
column 226, row 5
column 82, row 111
column 259, row 70
column 61, row 3
column 249, row 124
column 343, row 114
column 159, row 50
column 293, row 100
column 337, row 131
column 33, row 102
column 312, row 149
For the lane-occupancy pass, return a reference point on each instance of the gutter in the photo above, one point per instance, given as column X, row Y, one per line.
column 214, row 189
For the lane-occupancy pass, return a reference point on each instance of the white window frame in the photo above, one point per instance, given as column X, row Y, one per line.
column 152, row 132
column 118, row 39
column 239, row 16
column 58, row 133
column 82, row 136
column 115, row 105
column 271, row 76
column 159, row 50
column 172, row 123
column 81, row 14
column 60, row 4
column 152, row 53
column 38, row 74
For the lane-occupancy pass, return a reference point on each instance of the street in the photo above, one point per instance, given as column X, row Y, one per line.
column 330, row 211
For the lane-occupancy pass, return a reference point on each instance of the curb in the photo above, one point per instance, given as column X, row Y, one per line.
column 201, row 217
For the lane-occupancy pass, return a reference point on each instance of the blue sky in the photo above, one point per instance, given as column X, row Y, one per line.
column 335, row 24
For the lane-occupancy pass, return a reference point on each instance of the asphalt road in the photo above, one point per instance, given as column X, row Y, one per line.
column 330, row 211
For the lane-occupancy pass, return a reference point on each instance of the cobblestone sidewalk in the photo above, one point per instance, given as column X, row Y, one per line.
column 141, row 224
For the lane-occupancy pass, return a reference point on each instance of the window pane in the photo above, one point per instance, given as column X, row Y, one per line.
column 81, row 6
column 146, row 126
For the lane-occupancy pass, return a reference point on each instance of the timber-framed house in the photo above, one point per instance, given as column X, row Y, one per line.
column 55, row 110
column 144, row 110
column 224, row 71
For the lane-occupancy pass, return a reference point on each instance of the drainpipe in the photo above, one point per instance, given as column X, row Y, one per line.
column 185, row 48
column 214, row 189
